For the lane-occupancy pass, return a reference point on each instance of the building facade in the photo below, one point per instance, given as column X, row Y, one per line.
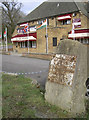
column 64, row 21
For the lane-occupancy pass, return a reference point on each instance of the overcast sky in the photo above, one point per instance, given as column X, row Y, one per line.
column 29, row 5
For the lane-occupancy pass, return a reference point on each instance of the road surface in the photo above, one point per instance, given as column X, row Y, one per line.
column 31, row 67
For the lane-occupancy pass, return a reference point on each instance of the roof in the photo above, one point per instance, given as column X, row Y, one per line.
column 83, row 7
column 50, row 9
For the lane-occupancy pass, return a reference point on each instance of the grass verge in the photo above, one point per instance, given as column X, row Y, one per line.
column 21, row 99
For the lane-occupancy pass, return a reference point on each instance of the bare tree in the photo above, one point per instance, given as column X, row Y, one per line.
column 11, row 13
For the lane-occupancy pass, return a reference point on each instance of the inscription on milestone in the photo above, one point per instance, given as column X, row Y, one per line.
column 62, row 69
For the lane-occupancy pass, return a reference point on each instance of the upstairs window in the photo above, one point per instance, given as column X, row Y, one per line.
column 74, row 14
column 41, row 21
column 65, row 22
column 65, row 19
column 47, row 21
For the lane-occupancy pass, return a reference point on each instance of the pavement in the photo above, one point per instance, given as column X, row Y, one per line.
column 36, row 69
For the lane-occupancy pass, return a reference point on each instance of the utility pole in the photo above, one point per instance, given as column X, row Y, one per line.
column 5, row 38
column 46, row 38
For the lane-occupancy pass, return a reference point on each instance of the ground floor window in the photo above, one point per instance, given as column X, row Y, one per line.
column 83, row 40
column 24, row 44
column 30, row 44
column 54, row 41
column 33, row 44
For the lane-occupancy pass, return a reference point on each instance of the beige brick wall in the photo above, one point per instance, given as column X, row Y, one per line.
column 58, row 31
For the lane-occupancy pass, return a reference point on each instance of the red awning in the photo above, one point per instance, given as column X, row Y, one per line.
column 24, row 37
column 80, row 33
column 64, row 17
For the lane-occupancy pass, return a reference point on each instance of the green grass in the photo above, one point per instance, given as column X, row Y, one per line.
column 5, row 43
column 21, row 99
column 87, row 109
column 0, row 96
column 10, row 44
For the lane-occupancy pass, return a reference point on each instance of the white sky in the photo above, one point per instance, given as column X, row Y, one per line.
column 29, row 5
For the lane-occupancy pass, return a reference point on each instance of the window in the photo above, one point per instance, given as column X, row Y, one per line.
column 30, row 44
column 62, row 22
column 26, row 44
column 54, row 41
column 22, row 44
column 58, row 5
column 47, row 21
column 74, row 14
column 66, row 22
column 32, row 28
column 88, row 40
column 33, row 44
column 81, row 40
column 78, row 39
column 40, row 22
column 56, row 23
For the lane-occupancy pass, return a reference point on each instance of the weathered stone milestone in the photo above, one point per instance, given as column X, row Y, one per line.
column 67, row 77
column 62, row 69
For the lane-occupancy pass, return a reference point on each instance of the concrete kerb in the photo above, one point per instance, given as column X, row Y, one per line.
column 28, row 73
column 38, row 56
column 30, row 55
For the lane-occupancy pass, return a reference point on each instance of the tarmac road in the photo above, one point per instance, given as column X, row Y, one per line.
column 34, row 68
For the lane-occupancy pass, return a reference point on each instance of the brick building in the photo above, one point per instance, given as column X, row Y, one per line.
column 64, row 20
